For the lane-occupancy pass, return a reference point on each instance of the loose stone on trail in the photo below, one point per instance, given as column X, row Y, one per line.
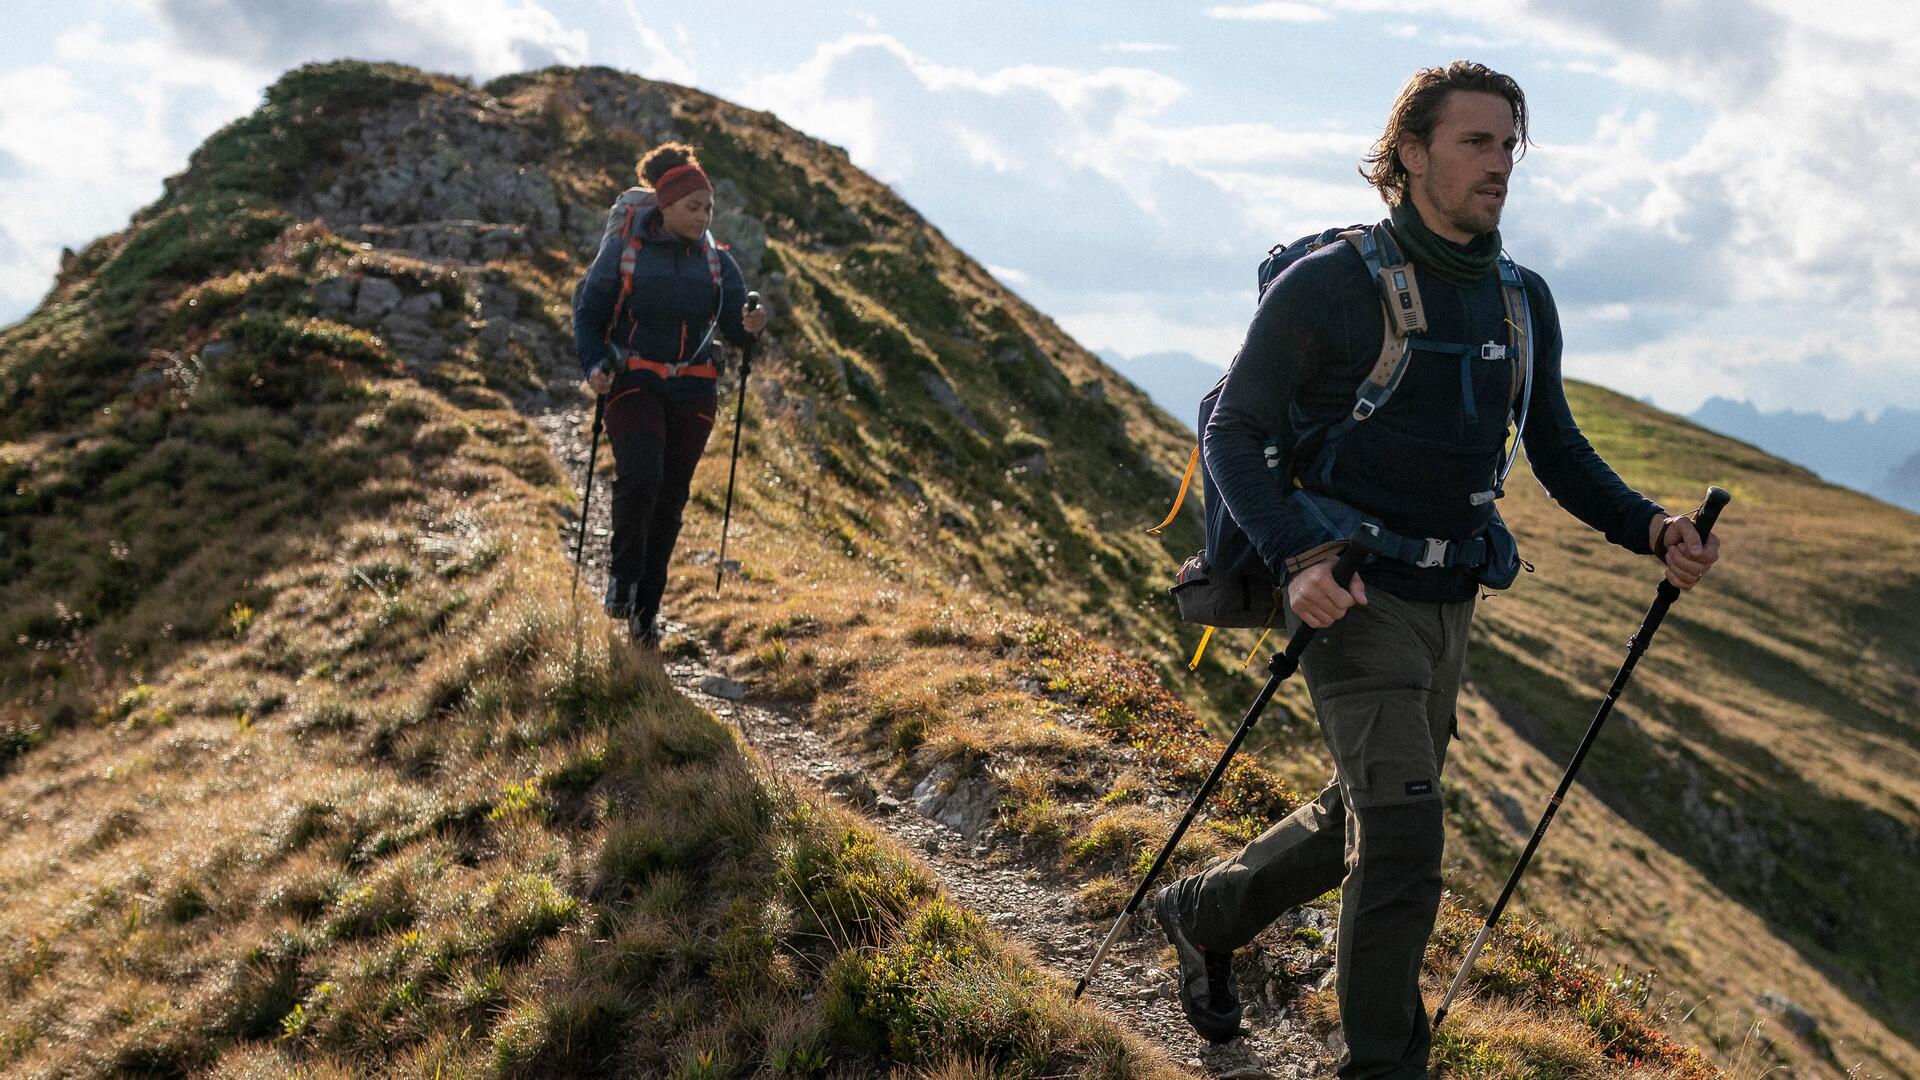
column 722, row 687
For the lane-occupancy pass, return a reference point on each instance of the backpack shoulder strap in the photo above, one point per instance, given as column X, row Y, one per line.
column 1404, row 315
column 629, row 255
column 719, row 291
column 1513, row 292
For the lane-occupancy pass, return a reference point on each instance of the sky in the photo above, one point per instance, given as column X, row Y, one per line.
column 1724, row 195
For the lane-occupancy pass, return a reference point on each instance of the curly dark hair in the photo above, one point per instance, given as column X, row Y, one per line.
column 660, row 159
column 1417, row 110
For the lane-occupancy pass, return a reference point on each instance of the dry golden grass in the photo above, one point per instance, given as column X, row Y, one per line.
column 371, row 810
column 1076, row 741
column 381, row 802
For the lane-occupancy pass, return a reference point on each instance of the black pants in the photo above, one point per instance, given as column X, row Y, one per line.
column 656, row 444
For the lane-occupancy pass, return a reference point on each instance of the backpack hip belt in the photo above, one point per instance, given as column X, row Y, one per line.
column 1341, row 521
column 628, row 360
column 1427, row 552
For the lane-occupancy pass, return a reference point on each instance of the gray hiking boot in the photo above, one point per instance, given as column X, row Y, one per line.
column 1206, row 978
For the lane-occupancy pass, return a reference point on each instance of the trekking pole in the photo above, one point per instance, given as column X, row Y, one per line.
column 586, row 499
column 1717, row 499
column 739, row 414
column 1281, row 668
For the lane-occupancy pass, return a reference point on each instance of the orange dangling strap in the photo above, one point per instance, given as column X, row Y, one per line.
column 1193, row 462
column 1194, row 664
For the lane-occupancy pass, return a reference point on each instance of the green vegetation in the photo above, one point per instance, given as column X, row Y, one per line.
column 307, row 767
column 311, row 769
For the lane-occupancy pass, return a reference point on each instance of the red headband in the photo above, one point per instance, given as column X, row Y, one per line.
column 679, row 182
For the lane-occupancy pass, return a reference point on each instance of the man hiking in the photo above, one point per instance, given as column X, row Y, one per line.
column 1386, row 666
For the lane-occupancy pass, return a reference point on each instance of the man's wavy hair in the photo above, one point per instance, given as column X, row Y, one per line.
column 1417, row 110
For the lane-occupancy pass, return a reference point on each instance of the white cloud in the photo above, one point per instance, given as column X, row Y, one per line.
column 1128, row 323
column 87, row 151
column 662, row 61
column 1009, row 275
column 1473, row 41
column 1834, row 372
column 482, row 38
column 1140, row 47
column 982, row 149
column 1275, row 11
column 88, row 134
column 1079, row 179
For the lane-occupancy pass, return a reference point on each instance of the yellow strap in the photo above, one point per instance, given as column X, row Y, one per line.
column 1193, row 461
column 1256, row 647
column 1248, row 662
column 1194, row 664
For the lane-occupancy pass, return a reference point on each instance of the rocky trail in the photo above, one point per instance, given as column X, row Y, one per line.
column 956, row 840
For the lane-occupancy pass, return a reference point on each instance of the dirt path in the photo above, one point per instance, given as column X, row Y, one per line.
column 1019, row 896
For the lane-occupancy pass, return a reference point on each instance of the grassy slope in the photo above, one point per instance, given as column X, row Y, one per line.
column 1772, row 742
column 889, row 552
column 870, row 510
column 952, row 537
column 307, row 768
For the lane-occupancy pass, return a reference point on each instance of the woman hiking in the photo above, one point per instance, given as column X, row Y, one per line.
column 646, row 319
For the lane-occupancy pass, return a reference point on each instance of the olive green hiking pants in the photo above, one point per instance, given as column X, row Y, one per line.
column 1384, row 680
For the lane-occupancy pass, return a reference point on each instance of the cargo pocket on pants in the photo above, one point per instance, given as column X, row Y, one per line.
column 1382, row 747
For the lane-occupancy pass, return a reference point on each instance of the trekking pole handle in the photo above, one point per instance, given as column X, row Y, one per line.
column 1717, row 500
column 1344, row 568
column 746, row 356
column 1349, row 562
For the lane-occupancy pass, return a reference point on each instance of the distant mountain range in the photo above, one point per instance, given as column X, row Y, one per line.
column 1880, row 456
column 1176, row 381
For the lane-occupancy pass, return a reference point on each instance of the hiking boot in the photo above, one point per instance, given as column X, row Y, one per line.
column 1206, row 978
column 619, row 600
column 644, row 628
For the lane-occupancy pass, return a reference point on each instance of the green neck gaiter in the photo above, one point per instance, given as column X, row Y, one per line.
column 1461, row 264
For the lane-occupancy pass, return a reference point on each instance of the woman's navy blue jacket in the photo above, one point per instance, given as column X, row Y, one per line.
column 666, row 314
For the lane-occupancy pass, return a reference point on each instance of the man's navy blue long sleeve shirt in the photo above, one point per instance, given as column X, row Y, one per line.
column 1416, row 462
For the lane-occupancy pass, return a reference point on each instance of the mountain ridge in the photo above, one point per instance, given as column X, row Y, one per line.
column 931, row 445
column 1864, row 454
